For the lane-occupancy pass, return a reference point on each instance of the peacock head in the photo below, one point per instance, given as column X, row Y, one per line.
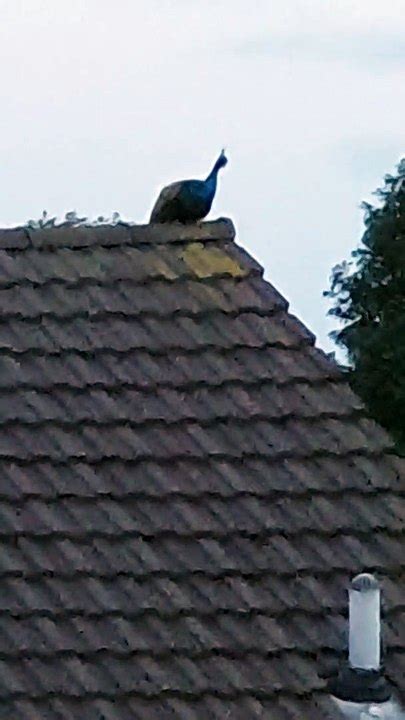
column 222, row 160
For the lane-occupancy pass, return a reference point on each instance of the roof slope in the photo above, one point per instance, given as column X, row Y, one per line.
column 186, row 485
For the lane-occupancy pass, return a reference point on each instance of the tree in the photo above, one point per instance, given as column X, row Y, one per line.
column 368, row 295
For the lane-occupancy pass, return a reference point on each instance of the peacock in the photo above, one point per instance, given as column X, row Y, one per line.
column 187, row 201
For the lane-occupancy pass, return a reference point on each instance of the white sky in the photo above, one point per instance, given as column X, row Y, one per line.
column 103, row 101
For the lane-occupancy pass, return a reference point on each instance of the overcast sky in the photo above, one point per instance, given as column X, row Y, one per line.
column 103, row 101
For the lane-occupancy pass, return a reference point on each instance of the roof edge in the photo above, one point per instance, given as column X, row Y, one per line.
column 81, row 236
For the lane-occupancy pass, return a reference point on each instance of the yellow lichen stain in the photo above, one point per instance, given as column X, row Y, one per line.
column 207, row 261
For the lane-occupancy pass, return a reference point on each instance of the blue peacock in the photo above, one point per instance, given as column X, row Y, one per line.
column 187, row 201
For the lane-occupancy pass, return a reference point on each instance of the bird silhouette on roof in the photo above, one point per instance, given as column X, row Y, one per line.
column 187, row 201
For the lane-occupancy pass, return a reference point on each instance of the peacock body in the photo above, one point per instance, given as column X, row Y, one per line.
column 188, row 201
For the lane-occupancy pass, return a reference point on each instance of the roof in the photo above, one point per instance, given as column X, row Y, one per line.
column 186, row 485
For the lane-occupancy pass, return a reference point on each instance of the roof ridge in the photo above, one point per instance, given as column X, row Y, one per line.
column 82, row 236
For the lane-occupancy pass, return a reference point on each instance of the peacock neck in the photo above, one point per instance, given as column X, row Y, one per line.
column 211, row 180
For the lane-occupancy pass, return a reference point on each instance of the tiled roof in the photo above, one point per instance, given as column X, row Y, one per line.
column 186, row 485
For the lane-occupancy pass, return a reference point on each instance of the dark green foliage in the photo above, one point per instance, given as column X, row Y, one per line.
column 368, row 295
